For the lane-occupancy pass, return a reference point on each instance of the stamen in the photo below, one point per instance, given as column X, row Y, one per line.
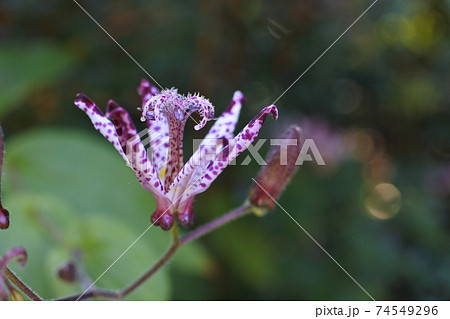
column 177, row 106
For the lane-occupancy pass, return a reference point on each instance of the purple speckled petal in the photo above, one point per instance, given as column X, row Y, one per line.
column 166, row 112
column 123, row 123
column 226, row 123
column 218, row 135
column 100, row 122
column 121, row 132
column 240, row 143
column 192, row 184
column 158, row 131
column 158, row 134
column 184, row 187
column 146, row 90
column 234, row 148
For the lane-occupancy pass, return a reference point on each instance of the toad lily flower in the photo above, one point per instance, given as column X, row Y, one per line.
column 163, row 173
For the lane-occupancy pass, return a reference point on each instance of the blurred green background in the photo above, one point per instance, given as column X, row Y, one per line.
column 377, row 107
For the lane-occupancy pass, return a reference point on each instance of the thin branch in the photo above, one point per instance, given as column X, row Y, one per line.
column 161, row 262
column 239, row 212
column 21, row 285
column 109, row 294
column 177, row 242
column 131, row 287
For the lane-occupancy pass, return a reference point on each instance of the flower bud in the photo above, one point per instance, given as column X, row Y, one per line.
column 186, row 218
column 4, row 218
column 67, row 272
column 273, row 177
column 163, row 219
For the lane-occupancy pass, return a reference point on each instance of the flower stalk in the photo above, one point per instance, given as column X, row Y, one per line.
column 20, row 285
column 177, row 243
column 225, row 219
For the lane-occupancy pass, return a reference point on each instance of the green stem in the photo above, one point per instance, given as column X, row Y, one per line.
column 161, row 262
column 177, row 242
column 108, row 294
column 225, row 219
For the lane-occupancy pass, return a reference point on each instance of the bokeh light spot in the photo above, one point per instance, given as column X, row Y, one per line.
column 384, row 202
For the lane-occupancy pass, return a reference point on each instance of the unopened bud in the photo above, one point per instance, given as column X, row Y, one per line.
column 4, row 218
column 68, row 272
column 273, row 177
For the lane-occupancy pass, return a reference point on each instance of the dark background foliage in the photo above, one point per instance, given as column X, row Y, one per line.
column 377, row 106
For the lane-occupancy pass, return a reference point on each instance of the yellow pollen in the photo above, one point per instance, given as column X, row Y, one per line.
column 162, row 172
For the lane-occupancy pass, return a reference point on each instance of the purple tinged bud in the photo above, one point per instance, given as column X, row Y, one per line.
column 4, row 218
column 187, row 218
column 166, row 221
column 68, row 272
column 274, row 176
column 162, row 219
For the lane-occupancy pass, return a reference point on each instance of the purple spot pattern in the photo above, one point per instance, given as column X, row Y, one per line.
column 125, row 139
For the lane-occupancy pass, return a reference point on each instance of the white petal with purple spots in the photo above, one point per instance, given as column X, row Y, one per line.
column 126, row 141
